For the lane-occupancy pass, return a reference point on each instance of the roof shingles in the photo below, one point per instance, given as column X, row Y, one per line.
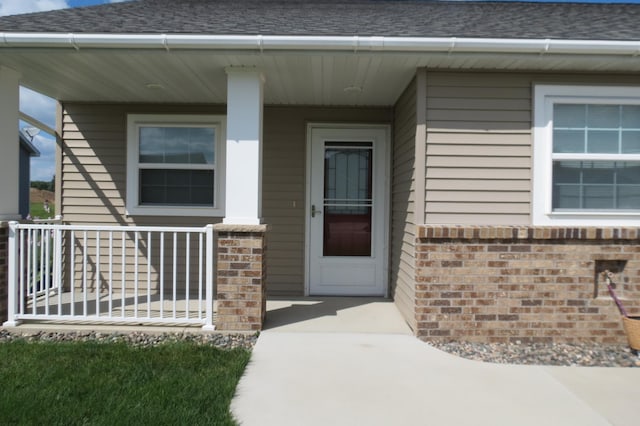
column 391, row 18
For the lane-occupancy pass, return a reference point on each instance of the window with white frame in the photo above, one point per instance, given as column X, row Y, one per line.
column 174, row 165
column 586, row 155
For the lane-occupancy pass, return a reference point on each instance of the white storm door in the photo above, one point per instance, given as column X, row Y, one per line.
column 346, row 211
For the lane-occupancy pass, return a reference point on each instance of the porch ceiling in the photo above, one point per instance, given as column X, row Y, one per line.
column 292, row 77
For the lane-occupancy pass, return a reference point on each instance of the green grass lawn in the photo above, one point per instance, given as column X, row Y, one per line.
column 37, row 210
column 90, row 383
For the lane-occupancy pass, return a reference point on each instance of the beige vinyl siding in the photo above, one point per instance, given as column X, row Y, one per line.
column 94, row 159
column 479, row 154
column 284, row 186
column 479, row 144
column 478, row 148
column 402, row 196
column 93, row 171
column 93, row 174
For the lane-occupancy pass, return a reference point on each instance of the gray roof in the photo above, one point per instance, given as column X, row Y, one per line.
column 405, row 18
column 27, row 144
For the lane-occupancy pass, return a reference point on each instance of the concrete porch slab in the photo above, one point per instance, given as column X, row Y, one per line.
column 335, row 314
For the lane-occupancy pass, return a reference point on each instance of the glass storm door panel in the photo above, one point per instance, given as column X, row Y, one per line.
column 346, row 233
column 347, row 198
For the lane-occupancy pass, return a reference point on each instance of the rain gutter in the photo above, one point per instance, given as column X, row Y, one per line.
column 261, row 43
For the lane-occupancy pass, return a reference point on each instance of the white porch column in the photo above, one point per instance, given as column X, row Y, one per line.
column 9, row 146
column 243, row 194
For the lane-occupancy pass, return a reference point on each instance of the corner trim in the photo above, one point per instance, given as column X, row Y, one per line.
column 420, row 161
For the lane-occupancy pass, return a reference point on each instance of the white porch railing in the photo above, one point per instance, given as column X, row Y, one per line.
column 111, row 274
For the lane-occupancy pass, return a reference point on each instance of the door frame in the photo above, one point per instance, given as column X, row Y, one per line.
column 386, row 210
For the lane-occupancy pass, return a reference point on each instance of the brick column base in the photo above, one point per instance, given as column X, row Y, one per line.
column 4, row 264
column 241, row 277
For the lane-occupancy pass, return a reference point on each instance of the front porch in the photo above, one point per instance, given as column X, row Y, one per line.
column 255, row 164
column 369, row 315
column 134, row 275
column 115, row 308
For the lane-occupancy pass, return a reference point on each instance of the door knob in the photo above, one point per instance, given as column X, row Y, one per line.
column 314, row 212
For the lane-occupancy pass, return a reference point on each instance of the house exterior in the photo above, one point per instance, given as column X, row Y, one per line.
column 478, row 163
column 27, row 150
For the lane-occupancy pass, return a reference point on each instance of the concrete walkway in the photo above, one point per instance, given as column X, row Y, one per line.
column 303, row 375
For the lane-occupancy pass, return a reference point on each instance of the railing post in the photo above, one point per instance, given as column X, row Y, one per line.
column 210, row 256
column 57, row 262
column 12, row 256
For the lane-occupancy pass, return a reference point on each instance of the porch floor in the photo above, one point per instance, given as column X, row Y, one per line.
column 307, row 314
column 97, row 310
column 335, row 314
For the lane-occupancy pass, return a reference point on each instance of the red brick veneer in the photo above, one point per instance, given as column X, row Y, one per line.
column 532, row 284
column 241, row 277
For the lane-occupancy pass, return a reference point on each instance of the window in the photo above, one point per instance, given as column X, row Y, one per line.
column 174, row 165
column 586, row 155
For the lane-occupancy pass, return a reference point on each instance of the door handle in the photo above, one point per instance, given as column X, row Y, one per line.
column 314, row 212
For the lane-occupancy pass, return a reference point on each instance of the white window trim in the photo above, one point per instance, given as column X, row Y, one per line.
column 544, row 98
column 134, row 122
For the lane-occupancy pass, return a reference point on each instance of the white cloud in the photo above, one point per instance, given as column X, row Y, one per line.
column 13, row 7
column 43, row 109
column 44, row 166
column 45, row 143
column 33, row 103
column 40, row 107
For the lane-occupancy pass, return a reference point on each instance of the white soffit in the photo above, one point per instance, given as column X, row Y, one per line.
column 299, row 70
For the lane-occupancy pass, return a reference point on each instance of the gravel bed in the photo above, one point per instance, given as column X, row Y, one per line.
column 139, row 339
column 562, row 354
column 565, row 354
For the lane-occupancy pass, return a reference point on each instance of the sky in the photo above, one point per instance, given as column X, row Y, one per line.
column 43, row 108
column 34, row 104
column 13, row 7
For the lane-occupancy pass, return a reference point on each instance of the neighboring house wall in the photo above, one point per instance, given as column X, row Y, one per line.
column 402, row 205
column 94, row 181
column 27, row 150
column 4, row 269
column 25, row 180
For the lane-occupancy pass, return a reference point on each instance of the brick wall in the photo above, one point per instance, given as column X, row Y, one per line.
column 532, row 284
column 241, row 277
column 4, row 236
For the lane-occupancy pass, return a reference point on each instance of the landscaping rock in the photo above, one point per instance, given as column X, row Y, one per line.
column 564, row 354
column 559, row 354
column 136, row 338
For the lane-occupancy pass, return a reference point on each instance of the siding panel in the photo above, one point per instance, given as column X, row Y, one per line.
column 492, row 89
column 484, row 185
column 479, row 143
column 477, row 196
column 458, row 138
column 486, row 114
column 478, row 148
column 284, row 186
column 94, row 174
column 402, row 215
column 478, row 104
column 490, row 205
